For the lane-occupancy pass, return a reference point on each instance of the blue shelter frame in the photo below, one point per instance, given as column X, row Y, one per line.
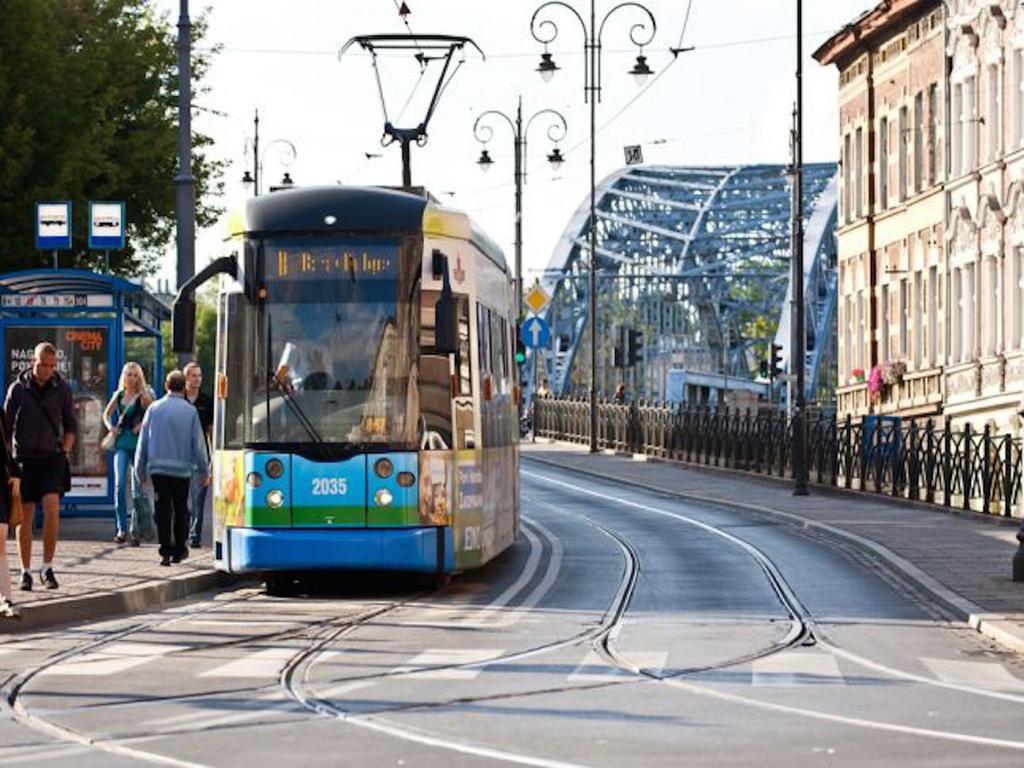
column 90, row 318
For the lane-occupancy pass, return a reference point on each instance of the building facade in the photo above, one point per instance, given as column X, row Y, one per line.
column 985, row 227
column 892, row 302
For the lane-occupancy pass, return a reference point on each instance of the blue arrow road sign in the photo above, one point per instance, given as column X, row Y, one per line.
column 535, row 332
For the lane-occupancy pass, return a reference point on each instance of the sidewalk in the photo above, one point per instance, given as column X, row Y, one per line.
column 961, row 560
column 99, row 578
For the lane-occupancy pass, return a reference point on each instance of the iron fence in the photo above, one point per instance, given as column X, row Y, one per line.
column 903, row 458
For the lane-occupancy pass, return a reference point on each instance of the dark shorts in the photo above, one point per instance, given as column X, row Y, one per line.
column 41, row 476
column 5, row 510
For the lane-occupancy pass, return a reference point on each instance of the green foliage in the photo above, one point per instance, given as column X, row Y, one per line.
column 88, row 94
column 206, row 342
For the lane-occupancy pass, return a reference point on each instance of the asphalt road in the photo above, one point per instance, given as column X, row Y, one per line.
column 624, row 628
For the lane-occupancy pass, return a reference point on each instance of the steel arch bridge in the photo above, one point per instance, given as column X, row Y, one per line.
column 696, row 260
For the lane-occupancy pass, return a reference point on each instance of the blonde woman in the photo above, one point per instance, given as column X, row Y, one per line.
column 128, row 405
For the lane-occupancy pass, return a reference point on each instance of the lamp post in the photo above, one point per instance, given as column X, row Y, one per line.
column 798, row 344
column 184, row 180
column 484, row 133
column 544, row 31
column 288, row 155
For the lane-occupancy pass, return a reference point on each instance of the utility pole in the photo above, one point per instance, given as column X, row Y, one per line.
column 798, row 352
column 185, row 182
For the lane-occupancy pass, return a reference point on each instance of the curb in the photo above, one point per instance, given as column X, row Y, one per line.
column 993, row 626
column 145, row 596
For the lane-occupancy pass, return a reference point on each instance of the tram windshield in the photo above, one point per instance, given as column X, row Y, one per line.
column 335, row 344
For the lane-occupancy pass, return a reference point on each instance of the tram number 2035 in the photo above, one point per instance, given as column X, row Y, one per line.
column 330, row 486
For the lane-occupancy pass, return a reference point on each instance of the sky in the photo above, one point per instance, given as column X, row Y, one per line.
column 726, row 102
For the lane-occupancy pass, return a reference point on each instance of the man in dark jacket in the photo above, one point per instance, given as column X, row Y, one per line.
column 39, row 415
column 204, row 405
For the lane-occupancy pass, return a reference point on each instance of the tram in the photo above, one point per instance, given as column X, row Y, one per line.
column 365, row 389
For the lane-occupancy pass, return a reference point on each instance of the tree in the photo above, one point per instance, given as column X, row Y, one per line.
column 88, row 94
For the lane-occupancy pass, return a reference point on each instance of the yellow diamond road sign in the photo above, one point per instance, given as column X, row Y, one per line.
column 537, row 299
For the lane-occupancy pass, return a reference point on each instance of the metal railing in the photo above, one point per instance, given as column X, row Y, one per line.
column 902, row 458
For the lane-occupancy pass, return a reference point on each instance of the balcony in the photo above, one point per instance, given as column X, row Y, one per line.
column 919, row 393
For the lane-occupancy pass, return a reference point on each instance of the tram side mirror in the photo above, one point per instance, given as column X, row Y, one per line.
column 183, row 324
column 446, row 319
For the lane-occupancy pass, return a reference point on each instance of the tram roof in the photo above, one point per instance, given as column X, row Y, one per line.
column 364, row 210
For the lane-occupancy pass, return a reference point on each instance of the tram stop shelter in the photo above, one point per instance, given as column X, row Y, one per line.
column 97, row 322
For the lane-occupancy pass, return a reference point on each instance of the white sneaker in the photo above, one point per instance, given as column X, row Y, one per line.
column 8, row 609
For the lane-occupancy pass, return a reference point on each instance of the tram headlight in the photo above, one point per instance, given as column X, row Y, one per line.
column 275, row 468
column 383, row 468
column 383, row 498
column 406, row 479
column 254, row 479
column 275, row 498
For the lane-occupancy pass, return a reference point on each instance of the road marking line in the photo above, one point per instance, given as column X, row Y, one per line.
column 265, row 663
column 114, row 658
column 418, row 667
column 789, row 668
column 596, row 669
column 19, row 755
column 977, row 674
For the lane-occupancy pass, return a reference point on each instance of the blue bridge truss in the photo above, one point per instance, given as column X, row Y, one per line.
column 695, row 260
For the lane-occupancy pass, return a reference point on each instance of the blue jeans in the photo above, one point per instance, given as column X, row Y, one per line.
column 123, row 459
column 197, row 504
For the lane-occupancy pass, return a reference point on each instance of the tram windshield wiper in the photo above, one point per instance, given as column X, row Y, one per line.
column 275, row 380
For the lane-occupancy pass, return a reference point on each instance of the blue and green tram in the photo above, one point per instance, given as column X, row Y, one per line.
column 365, row 391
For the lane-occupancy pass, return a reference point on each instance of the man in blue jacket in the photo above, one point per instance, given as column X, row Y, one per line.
column 171, row 449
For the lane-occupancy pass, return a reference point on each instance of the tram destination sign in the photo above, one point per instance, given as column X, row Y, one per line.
column 356, row 262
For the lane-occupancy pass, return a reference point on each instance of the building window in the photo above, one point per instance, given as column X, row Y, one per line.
column 917, row 312
column 883, row 163
column 956, row 329
column 958, row 129
column 990, row 305
column 1018, row 97
column 933, row 132
column 969, row 305
column 859, row 170
column 847, row 180
column 970, row 119
column 883, row 324
column 901, row 144
column 919, row 141
column 1017, row 291
column 933, row 315
column 904, row 314
column 993, row 112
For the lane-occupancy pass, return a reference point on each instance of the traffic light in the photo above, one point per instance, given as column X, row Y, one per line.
column 764, row 369
column 520, row 346
column 634, row 347
column 775, row 371
column 618, row 356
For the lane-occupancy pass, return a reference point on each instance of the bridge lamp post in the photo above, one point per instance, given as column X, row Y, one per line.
column 288, row 155
column 544, row 31
column 484, row 133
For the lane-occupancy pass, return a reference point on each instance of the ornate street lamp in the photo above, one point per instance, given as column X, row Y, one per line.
column 287, row 151
column 641, row 33
column 484, row 133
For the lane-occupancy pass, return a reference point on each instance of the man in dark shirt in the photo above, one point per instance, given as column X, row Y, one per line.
column 39, row 414
column 204, row 404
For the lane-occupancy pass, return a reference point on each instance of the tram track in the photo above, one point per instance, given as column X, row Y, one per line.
column 319, row 637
